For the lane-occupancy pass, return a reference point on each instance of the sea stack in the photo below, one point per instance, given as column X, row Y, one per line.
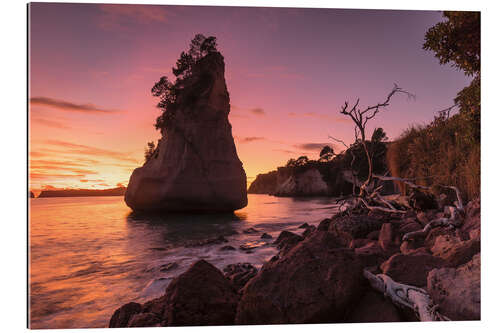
column 195, row 167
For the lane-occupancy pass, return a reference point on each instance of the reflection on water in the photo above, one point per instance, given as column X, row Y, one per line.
column 90, row 255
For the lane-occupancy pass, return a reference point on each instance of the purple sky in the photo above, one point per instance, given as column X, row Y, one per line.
column 288, row 72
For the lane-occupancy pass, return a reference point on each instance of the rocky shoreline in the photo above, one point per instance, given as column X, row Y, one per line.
column 317, row 276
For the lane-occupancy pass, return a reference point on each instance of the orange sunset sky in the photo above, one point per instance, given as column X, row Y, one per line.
column 288, row 72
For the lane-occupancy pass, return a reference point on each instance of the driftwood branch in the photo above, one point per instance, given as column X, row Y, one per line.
column 454, row 221
column 381, row 209
column 404, row 295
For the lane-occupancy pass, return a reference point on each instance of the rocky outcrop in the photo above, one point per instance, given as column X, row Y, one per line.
column 458, row 290
column 314, row 282
column 264, row 183
column 195, row 166
column 411, row 269
column 200, row 296
column 318, row 277
column 307, row 183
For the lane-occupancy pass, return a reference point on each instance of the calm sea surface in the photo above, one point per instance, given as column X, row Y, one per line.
column 90, row 255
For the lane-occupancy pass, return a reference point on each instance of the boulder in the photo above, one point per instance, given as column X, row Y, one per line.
column 195, row 166
column 266, row 236
column 454, row 250
column 239, row 274
column 371, row 254
column 146, row 319
column 347, row 228
column 388, row 238
column 472, row 222
column 374, row 308
column 457, row 290
column 122, row 315
column 315, row 282
column 200, row 296
column 411, row 269
column 287, row 240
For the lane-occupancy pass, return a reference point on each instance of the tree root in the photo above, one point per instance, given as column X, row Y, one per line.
column 403, row 295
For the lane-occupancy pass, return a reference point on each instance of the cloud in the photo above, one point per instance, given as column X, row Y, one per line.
column 73, row 148
column 50, row 123
column 119, row 17
column 68, row 106
column 285, row 151
column 312, row 146
column 258, row 111
column 251, row 139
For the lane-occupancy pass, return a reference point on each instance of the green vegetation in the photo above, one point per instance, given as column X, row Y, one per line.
column 150, row 151
column 185, row 72
column 447, row 151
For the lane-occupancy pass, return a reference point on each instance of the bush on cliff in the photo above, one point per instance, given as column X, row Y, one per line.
column 447, row 151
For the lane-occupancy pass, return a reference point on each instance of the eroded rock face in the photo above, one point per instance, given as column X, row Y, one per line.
column 195, row 167
column 313, row 283
column 374, row 308
column 192, row 297
column 308, row 183
column 411, row 269
column 458, row 291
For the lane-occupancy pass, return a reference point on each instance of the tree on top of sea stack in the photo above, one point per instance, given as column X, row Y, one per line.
column 195, row 166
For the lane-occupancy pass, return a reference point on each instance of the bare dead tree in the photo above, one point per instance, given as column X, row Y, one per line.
column 360, row 119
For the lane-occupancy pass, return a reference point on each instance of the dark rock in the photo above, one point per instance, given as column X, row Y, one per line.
column 324, row 224
column 409, row 226
column 266, row 236
column 168, row 267
column 309, row 230
column 411, row 269
column 250, row 231
column 287, row 240
column 348, row 228
column 373, row 235
column 239, row 274
column 147, row 319
column 374, row 308
column 472, row 221
column 412, row 246
column 386, row 237
column 199, row 143
column 454, row 250
column 122, row 316
column 360, row 242
column 304, row 226
column 457, row 290
column 372, row 255
column 310, row 284
column 200, row 296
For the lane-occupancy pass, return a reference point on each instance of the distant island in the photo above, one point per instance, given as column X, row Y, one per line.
column 117, row 191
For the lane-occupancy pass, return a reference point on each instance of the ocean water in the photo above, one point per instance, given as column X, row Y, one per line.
column 90, row 255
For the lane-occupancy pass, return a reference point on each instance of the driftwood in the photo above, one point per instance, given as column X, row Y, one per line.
column 403, row 295
column 455, row 220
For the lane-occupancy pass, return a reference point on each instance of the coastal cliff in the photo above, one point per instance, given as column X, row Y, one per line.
column 323, row 178
column 195, row 166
